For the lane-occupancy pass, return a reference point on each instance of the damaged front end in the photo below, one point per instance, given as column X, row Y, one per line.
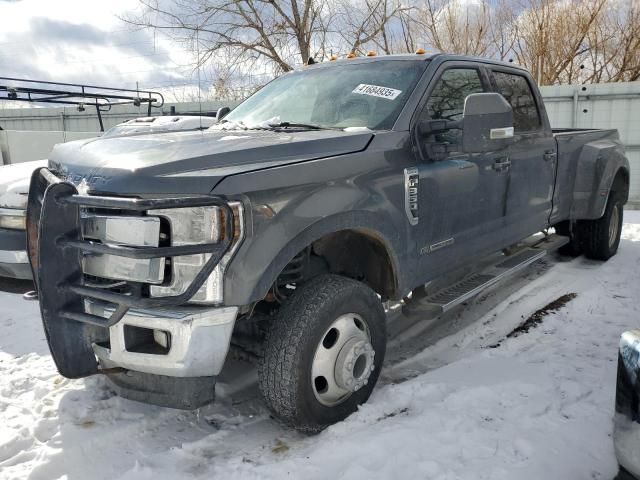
column 117, row 278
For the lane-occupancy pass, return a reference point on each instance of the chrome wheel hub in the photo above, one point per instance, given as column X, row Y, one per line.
column 614, row 223
column 343, row 360
column 355, row 363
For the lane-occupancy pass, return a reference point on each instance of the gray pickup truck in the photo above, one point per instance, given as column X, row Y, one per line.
column 331, row 190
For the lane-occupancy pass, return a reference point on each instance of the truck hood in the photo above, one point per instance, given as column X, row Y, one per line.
column 191, row 162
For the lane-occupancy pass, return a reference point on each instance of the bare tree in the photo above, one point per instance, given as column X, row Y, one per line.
column 244, row 43
column 615, row 41
column 503, row 29
column 280, row 33
column 364, row 23
column 457, row 27
column 553, row 37
column 409, row 37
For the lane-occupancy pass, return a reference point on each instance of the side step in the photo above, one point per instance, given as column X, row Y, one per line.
column 457, row 293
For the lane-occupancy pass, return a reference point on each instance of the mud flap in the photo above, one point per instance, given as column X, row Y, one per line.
column 49, row 220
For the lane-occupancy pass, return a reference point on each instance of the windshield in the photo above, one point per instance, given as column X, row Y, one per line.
column 369, row 95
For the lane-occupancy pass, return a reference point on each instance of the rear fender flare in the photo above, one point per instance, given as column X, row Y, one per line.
column 598, row 165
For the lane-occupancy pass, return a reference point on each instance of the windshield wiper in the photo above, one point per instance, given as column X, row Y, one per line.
column 265, row 125
column 310, row 126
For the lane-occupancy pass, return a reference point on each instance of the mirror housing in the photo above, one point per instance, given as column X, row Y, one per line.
column 487, row 123
column 221, row 113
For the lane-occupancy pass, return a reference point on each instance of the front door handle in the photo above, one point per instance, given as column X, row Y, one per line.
column 549, row 155
column 501, row 163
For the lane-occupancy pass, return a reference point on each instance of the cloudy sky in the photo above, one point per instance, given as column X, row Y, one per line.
column 84, row 41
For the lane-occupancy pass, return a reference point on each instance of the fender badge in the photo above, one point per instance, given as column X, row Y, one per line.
column 411, row 179
column 437, row 246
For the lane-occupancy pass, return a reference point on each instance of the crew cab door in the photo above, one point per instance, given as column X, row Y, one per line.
column 532, row 155
column 461, row 196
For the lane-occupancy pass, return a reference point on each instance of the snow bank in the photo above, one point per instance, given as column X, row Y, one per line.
column 539, row 405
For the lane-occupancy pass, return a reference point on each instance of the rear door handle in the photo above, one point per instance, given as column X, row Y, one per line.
column 549, row 155
column 501, row 163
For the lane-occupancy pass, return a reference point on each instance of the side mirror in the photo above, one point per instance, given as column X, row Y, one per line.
column 487, row 123
column 221, row 113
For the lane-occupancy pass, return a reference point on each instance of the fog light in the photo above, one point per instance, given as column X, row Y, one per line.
column 13, row 219
column 161, row 338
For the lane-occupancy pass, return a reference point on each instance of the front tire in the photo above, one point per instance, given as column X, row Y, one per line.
column 323, row 353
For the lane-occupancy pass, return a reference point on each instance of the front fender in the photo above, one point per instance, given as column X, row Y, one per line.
column 276, row 239
column 356, row 220
column 291, row 208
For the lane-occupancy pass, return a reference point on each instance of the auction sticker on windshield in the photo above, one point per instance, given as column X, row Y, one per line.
column 376, row 91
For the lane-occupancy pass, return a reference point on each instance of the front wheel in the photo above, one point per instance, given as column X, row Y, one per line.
column 323, row 353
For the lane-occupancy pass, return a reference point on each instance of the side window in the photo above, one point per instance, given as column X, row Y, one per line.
column 517, row 91
column 446, row 101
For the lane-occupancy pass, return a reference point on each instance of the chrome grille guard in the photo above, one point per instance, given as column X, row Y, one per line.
column 55, row 246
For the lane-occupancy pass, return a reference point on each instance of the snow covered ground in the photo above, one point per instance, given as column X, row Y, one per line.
column 458, row 400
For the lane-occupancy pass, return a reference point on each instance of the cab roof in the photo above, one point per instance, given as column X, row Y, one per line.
column 413, row 57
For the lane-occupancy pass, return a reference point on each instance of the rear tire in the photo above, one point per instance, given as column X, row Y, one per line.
column 601, row 237
column 323, row 353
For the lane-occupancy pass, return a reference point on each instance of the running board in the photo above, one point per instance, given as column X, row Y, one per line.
column 457, row 293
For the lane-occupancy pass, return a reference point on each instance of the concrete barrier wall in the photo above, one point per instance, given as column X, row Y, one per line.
column 69, row 119
column 602, row 105
column 24, row 146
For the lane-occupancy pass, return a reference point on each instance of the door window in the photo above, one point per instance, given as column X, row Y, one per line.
column 517, row 91
column 446, row 101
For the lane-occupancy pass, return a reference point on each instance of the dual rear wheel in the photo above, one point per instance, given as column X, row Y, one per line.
column 596, row 239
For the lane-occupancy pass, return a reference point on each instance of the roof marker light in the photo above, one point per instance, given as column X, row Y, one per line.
column 371, row 53
column 351, row 55
column 333, row 58
column 420, row 51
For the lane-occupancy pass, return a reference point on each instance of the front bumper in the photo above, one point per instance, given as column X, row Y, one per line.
column 198, row 341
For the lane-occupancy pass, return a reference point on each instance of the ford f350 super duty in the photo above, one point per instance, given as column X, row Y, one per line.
column 331, row 190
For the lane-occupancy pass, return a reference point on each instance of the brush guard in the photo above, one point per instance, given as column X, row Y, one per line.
column 56, row 246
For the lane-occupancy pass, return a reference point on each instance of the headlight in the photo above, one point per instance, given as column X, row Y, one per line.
column 13, row 219
column 191, row 226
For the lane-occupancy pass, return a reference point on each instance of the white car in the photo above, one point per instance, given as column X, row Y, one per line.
column 14, row 189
